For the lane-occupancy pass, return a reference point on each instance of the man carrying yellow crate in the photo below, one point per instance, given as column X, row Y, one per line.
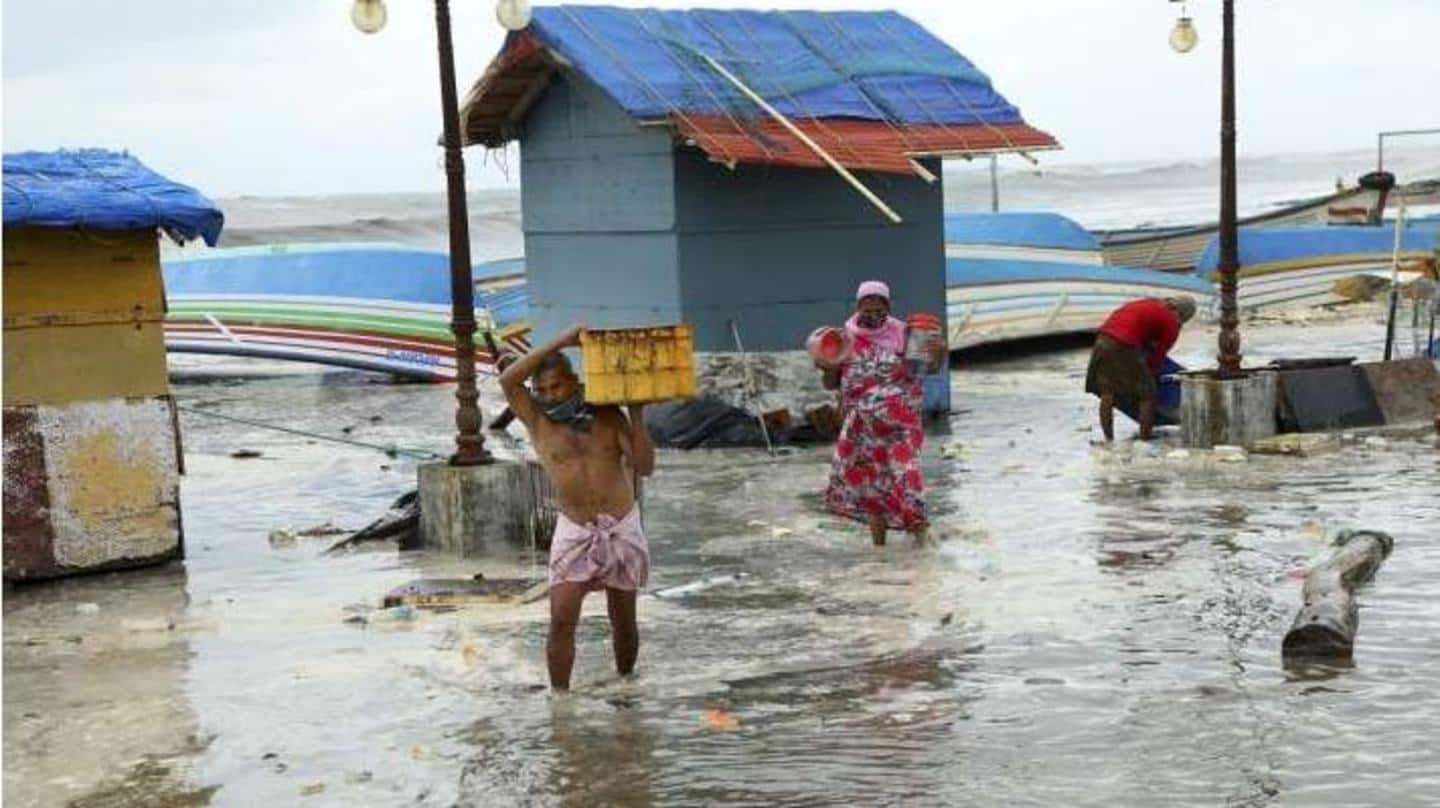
column 592, row 453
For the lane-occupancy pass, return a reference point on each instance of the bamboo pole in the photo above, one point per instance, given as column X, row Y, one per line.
column 804, row 138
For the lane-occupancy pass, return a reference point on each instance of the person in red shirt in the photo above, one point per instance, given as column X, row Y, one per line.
column 1128, row 354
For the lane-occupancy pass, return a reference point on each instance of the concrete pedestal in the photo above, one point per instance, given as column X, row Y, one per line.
column 1235, row 412
column 475, row 510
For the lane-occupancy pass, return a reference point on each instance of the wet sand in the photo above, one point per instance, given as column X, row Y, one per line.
column 1099, row 626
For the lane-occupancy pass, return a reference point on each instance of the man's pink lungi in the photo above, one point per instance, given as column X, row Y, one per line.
column 606, row 553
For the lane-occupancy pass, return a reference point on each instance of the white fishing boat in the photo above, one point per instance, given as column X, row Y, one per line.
column 1299, row 266
column 1013, row 276
column 1178, row 249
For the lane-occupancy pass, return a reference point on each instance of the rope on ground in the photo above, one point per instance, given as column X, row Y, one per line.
column 391, row 450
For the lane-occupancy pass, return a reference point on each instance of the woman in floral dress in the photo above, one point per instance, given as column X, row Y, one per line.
column 875, row 475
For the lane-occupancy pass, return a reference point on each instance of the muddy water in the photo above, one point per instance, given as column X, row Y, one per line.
column 1100, row 626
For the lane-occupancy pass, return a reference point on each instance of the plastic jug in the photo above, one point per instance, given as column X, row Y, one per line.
column 828, row 345
column 922, row 329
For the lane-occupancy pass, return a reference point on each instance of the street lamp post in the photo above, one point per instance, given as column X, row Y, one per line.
column 369, row 16
column 1183, row 39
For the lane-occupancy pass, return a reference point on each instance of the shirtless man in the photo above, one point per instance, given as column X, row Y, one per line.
column 592, row 454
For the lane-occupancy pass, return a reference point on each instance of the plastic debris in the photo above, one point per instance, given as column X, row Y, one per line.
column 1230, row 454
column 326, row 529
column 311, row 789
column 395, row 614
column 721, row 721
column 1178, row 454
column 149, row 624
column 87, row 608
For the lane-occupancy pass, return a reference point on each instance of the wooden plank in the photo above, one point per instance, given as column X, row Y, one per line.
column 455, row 592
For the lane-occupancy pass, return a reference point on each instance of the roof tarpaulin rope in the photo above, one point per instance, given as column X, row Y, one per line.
column 875, row 76
column 103, row 190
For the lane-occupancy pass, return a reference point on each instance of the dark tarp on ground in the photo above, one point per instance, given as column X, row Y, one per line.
column 702, row 423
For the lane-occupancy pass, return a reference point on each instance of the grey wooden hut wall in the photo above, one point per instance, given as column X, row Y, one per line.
column 623, row 227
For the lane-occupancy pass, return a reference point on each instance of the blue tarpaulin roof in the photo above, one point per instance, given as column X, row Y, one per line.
column 103, row 190
column 1019, row 229
column 862, row 65
column 1263, row 245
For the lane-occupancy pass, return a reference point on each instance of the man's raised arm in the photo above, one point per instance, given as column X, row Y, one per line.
column 512, row 380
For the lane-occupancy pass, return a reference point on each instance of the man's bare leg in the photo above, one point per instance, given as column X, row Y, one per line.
column 1107, row 415
column 1147, row 418
column 624, row 632
column 565, row 602
column 878, row 530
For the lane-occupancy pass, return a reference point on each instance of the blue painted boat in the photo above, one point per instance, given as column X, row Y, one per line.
column 1299, row 266
column 1023, row 275
column 381, row 307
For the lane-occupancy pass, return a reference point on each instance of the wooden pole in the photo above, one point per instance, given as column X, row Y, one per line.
column 1329, row 618
column 804, row 138
column 1394, row 282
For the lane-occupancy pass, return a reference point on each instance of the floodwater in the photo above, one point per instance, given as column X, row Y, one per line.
column 1099, row 626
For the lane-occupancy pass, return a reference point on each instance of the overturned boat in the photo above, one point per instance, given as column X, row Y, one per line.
column 1012, row 276
column 381, row 307
column 1300, row 266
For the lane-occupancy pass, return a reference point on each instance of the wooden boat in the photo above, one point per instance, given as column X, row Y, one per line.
column 379, row 307
column 1178, row 249
column 1023, row 275
column 1299, row 266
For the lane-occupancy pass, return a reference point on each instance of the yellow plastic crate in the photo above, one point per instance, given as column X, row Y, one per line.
column 638, row 365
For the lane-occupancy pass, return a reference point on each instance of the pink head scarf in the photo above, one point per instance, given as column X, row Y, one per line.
column 891, row 333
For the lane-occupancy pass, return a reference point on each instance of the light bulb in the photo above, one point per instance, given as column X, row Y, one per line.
column 368, row 15
column 1183, row 36
column 513, row 15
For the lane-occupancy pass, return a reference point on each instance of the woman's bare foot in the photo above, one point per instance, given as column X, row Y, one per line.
column 877, row 532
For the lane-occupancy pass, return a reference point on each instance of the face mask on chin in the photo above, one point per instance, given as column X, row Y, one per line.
column 572, row 412
column 872, row 320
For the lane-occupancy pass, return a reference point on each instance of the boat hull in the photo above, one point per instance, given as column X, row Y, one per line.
column 1179, row 249
column 370, row 307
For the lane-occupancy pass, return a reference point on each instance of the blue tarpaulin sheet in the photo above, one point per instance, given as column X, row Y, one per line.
column 861, row 65
column 1263, row 245
column 103, row 190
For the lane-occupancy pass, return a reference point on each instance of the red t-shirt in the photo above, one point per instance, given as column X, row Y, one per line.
column 1147, row 324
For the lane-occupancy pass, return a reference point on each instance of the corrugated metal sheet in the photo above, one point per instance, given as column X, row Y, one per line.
column 860, row 145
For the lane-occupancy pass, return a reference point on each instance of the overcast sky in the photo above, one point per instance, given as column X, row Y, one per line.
column 285, row 97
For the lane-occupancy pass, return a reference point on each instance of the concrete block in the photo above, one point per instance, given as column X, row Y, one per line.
column 478, row 510
column 1238, row 412
column 90, row 486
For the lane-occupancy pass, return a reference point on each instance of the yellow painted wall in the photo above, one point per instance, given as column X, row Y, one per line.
column 83, row 315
